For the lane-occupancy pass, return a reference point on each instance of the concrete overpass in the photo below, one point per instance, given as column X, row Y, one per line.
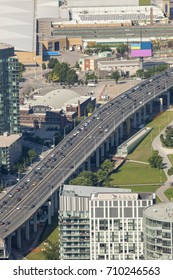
column 90, row 141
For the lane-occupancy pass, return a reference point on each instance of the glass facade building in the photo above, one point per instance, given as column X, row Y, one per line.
column 9, row 91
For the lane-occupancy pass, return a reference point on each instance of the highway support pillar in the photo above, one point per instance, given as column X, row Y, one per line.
column 49, row 212
column 52, row 205
column 121, row 131
column 107, row 145
column 89, row 164
column 117, row 138
column 97, row 157
column 9, row 243
column 139, row 117
column 144, row 113
column 19, row 241
column 161, row 104
column 128, row 126
column 134, row 120
column 112, row 140
column 168, row 99
column 150, row 107
column 27, row 229
column 35, row 222
column 56, row 201
column 103, row 151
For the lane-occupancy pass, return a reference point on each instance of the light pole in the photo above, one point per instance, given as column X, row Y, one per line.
column 35, row 66
column 65, row 131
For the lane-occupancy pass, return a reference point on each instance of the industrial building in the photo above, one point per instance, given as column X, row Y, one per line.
column 54, row 109
column 101, row 224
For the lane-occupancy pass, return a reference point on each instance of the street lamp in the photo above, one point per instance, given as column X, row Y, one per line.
column 35, row 66
column 65, row 131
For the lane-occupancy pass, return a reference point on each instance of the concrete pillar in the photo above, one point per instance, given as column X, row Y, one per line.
column 117, row 138
column 168, row 99
column 19, row 241
column 49, row 212
column 83, row 167
column 112, row 140
column 107, row 145
column 151, row 107
column 144, row 113
column 56, row 201
column 89, row 164
column 9, row 243
column 128, row 126
column 27, row 229
column 35, row 222
column 103, row 151
column 52, row 205
column 121, row 131
column 161, row 104
column 97, row 158
column 139, row 117
column 134, row 120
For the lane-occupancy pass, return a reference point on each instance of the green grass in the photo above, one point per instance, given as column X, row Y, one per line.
column 136, row 173
column 144, row 2
column 171, row 159
column 144, row 149
column 169, row 193
column 51, row 233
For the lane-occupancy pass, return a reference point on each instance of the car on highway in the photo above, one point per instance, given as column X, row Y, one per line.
column 1, row 223
column 11, row 195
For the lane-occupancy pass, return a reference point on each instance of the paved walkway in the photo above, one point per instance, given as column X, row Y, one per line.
column 163, row 152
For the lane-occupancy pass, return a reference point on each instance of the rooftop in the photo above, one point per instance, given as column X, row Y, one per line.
column 161, row 212
column 5, row 46
column 86, row 191
column 6, row 141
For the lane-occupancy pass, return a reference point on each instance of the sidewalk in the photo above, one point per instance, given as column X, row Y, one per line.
column 163, row 152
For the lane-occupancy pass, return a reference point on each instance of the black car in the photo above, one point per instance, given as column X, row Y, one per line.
column 4, row 202
column 32, row 206
column 1, row 223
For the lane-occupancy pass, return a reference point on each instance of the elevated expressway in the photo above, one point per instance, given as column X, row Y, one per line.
column 105, row 128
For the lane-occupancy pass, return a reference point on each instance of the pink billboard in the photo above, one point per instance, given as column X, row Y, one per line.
column 141, row 53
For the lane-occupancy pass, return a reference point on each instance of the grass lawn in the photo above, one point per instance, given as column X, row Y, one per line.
column 169, row 193
column 51, row 233
column 171, row 159
column 144, row 150
column 136, row 173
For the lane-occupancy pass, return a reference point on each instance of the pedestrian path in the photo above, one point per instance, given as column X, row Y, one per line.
column 163, row 152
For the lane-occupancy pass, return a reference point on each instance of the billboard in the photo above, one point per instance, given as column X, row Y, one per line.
column 142, row 49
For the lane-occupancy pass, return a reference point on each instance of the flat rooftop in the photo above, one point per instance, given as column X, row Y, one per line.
column 86, row 191
column 5, row 46
column 160, row 211
column 6, row 141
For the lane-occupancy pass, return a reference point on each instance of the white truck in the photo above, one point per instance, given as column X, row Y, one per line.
column 91, row 84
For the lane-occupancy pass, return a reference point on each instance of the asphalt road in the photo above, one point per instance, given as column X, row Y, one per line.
column 38, row 185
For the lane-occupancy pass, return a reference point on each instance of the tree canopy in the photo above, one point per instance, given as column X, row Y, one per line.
column 115, row 75
column 155, row 160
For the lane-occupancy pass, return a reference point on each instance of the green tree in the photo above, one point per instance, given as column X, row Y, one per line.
column 71, row 77
column 43, row 66
column 122, row 48
column 52, row 62
column 77, row 65
column 155, row 160
column 31, row 154
column 107, row 166
column 85, row 178
column 52, row 251
column 21, row 70
column 115, row 76
column 101, row 175
column 90, row 108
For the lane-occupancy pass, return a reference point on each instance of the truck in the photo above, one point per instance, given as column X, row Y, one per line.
column 91, row 84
